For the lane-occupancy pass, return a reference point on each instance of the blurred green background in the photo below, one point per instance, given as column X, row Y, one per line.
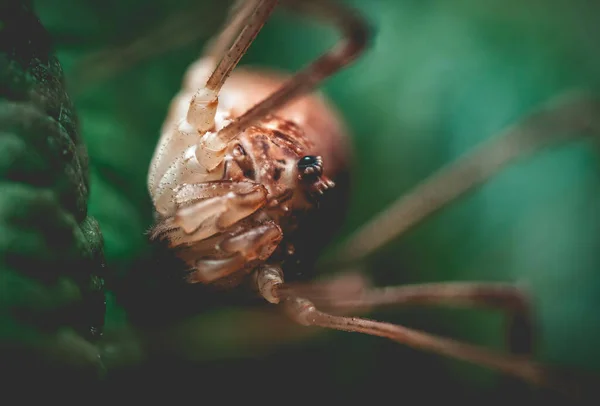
column 440, row 77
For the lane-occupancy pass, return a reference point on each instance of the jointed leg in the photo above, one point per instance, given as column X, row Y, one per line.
column 565, row 119
column 235, row 252
column 209, row 151
column 303, row 310
column 203, row 106
column 353, row 42
column 571, row 384
column 500, row 296
column 211, row 231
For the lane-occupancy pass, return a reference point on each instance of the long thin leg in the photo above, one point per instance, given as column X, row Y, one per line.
column 252, row 24
column 269, row 283
column 203, row 106
column 575, row 385
column 501, row 296
column 354, row 39
column 565, row 119
column 239, row 14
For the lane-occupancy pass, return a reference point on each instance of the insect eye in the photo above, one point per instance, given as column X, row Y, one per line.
column 305, row 162
column 310, row 165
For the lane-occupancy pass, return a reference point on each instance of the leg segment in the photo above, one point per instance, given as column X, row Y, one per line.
column 353, row 42
column 203, row 106
column 500, row 296
column 565, row 119
column 235, row 252
column 305, row 312
column 205, row 209
column 574, row 385
column 238, row 17
column 209, row 231
column 252, row 23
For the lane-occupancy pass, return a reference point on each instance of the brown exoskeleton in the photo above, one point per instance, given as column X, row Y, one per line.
column 235, row 191
column 249, row 180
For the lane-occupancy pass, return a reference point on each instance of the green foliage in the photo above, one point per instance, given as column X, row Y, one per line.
column 51, row 288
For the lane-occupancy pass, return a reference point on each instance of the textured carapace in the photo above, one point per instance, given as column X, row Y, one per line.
column 274, row 194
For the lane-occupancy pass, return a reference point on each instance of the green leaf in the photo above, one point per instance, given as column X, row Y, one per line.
column 51, row 259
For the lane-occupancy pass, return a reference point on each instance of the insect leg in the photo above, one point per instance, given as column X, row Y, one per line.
column 501, row 296
column 305, row 311
column 235, row 252
column 354, row 40
column 236, row 51
column 566, row 119
column 205, row 209
column 203, row 106
column 240, row 11
column 206, row 97
column 570, row 384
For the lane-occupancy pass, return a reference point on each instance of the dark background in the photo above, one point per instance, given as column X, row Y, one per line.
column 440, row 77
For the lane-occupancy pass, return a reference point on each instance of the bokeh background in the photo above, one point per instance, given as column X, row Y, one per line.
column 440, row 77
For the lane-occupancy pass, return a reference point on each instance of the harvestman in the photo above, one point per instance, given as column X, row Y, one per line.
column 248, row 157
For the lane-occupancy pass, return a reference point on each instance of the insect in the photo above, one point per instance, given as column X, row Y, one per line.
column 250, row 175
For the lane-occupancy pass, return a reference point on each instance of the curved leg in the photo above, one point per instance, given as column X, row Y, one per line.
column 499, row 296
column 354, row 40
column 573, row 385
column 305, row 312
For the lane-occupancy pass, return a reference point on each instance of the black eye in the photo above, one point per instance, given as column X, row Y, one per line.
column 307, row 161
column 310, row 167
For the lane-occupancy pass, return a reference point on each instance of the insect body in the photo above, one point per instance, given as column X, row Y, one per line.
column 250, row 176
column 274, row 180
